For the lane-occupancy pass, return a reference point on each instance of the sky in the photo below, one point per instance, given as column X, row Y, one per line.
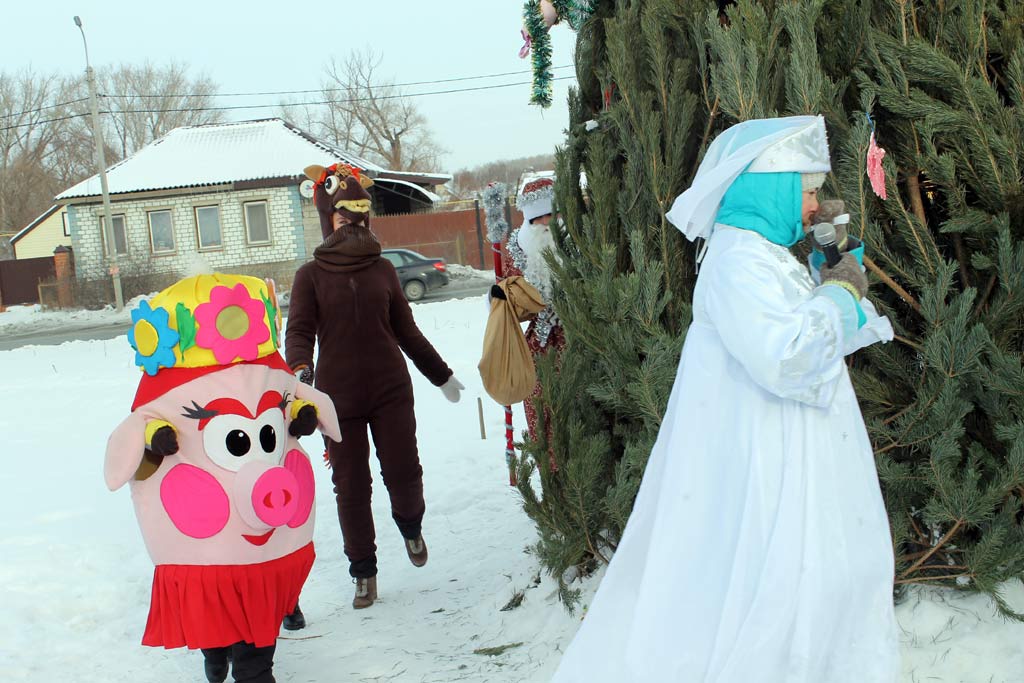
column 274, row 46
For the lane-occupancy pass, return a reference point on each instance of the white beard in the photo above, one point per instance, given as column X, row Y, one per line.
column 534, row 240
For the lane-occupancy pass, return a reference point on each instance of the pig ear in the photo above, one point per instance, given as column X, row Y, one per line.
column 124, row 451
column 326, row 415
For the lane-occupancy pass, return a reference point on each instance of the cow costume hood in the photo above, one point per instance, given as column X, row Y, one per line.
column 232, row 509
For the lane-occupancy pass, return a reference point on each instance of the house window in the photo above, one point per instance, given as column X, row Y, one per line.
column 120, row 239
column 208, row 227
column 161, row 231
column 257, row 223
column 67, row 226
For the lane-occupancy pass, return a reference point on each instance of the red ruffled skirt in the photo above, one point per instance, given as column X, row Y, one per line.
column 207, row 606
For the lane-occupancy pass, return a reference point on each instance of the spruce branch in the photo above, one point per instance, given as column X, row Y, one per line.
column 892, row 284
column 934, row 549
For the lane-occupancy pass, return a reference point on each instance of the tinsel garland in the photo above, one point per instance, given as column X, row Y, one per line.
column 533, row 20
column 494, row 198
column 574, row 12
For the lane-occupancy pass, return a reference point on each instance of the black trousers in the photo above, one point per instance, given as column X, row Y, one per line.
column 249, row 664
column 393, row 426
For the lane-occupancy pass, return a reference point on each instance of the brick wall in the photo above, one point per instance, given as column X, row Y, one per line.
column 285, row 214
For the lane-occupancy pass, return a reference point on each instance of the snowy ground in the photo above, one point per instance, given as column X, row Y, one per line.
column 75, row 577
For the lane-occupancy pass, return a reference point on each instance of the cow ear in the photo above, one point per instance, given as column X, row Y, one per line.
column 327, row 417
column 365, row 182
column 314, row 172
column 124, row 451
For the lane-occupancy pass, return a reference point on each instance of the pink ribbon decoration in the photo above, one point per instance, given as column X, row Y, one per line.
column 876, row 174
column 524, row 51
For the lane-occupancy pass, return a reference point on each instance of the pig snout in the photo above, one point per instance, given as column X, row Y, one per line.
column 275, row 496
column 265, row 495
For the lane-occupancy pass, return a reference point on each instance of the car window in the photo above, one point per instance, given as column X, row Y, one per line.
column 394, row 257
column 414, row 256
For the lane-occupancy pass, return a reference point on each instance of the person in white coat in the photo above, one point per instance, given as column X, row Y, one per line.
column 758, row 548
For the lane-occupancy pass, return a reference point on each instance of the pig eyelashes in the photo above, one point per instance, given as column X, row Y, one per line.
column 231, row 441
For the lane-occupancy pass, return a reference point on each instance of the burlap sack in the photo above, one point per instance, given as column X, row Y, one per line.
column 506, row 365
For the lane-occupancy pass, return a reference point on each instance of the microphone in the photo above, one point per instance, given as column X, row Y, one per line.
column 825, row 236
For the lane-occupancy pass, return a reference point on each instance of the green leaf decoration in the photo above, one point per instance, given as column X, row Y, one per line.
column 271, row 317
column 186, row 328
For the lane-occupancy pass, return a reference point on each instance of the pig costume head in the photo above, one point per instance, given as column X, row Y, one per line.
column 236, row 498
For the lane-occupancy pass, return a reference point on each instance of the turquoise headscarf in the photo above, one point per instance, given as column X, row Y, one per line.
column 770, row 204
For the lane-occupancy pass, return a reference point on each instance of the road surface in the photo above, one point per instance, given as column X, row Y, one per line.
column 53, row 336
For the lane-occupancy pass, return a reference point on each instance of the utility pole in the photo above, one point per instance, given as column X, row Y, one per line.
column 101, row 161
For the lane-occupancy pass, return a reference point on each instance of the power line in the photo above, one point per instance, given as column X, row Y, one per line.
column 324, row 102
column 283, row 105
column 40, row 123
column 324, row 90
column 44, row 108
column 271, row 92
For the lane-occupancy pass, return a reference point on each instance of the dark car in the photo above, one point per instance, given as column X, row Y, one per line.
column 417, row 273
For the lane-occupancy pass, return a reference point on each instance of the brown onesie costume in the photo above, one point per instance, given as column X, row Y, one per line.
column 350, row 300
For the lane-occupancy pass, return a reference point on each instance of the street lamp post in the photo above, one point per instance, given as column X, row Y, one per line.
column 101, row 161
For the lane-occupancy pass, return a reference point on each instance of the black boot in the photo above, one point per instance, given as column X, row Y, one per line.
column 294, row 621
column 215, row 663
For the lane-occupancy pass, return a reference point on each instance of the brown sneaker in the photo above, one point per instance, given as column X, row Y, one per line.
column 417, row 549
column 366, row 593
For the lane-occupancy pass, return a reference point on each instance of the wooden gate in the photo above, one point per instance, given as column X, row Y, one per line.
column 19, row 280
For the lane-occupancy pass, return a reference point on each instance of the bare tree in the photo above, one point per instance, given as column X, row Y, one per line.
column 46, row 142
column 33, row 108
column 469, row 182
column 148, row 101
column 370, row 116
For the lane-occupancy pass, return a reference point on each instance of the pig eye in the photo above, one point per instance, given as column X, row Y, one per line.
column 232, row 440
column 331, row 184
column 228, row 440
column 238, row 442
column 268, row 439
column 270, row 428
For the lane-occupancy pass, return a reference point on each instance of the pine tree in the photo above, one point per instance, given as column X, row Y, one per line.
column 943, row 83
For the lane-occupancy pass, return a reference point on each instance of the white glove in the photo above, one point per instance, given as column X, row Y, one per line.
column 451, row 389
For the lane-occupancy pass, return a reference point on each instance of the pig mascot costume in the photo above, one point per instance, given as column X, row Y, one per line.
column 222, row 490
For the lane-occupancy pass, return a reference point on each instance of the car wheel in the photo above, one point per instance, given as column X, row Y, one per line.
column 414, row 290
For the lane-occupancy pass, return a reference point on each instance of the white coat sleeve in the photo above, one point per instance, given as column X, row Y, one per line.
column 792, row 348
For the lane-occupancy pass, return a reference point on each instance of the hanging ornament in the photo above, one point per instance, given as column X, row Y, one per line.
column 876, row 173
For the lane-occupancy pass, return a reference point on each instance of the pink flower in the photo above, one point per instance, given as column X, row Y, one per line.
column 875, row 171
column 232, row 324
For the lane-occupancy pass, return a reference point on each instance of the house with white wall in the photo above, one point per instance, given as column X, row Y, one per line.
column 225, row 194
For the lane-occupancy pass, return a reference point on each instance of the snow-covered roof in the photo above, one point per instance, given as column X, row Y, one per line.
column 215, row 154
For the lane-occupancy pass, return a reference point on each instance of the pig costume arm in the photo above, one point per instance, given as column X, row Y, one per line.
column 126, row 445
